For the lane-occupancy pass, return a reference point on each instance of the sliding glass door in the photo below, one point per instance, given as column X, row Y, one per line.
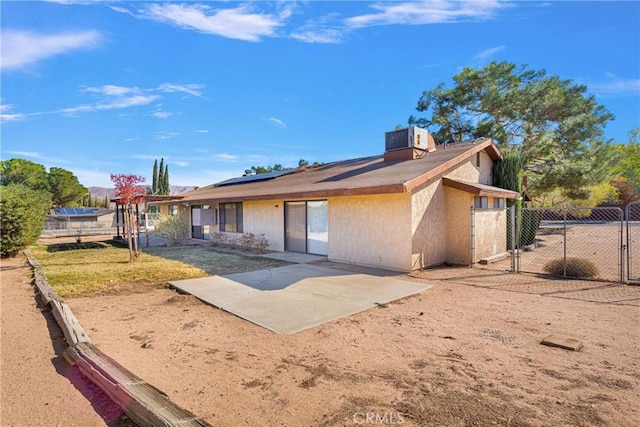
column 307, row 227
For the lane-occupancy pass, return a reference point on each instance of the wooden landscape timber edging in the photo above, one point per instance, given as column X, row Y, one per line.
column 142, row 402
column 71, row 328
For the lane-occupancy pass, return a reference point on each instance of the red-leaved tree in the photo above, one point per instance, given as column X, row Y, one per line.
column 129, row 194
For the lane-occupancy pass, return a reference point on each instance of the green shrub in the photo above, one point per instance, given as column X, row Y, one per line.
column 576, row 267
column 22, row 212
column 172, row 228
column 529, row 227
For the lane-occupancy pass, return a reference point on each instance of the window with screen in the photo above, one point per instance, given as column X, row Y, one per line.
column 480, row 202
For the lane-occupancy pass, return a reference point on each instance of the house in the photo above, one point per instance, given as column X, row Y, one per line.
column 407, row 209
column 79, row 218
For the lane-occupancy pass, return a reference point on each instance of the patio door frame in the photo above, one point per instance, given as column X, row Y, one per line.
column 289, row 242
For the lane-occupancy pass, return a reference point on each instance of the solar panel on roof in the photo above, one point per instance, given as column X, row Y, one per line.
column 255, row 178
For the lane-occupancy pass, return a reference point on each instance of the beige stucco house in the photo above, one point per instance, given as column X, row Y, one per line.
column 407, row 209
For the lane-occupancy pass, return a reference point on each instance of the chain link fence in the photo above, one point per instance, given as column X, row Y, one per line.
column 571, row 242
column 632, row 216
column 566, row 242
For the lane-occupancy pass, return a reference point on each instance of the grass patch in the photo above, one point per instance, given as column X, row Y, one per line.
column 103, row 268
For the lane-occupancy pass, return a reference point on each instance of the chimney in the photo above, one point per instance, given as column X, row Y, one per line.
column 248, row 172
column 408, row 144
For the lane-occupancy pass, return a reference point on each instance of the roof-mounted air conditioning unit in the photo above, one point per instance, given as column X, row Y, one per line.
column 411, row 137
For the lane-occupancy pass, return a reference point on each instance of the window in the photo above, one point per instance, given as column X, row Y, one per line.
column 498, row 203
column 173, row 210
column 231, row 217
column 478, row 159
column 480, row 202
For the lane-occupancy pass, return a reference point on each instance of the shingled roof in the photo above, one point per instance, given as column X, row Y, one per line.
column 367, row 175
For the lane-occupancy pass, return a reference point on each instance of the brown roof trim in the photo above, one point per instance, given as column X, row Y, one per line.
column 317, row 194
column 487, row 144
column 151, row 198
column 479, row 189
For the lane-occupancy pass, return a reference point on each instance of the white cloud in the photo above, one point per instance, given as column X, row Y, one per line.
column 328, row 35
column 6, row 114
column 191, row 89
column 236, row 23
column 224, row 156
column 131, row 139
column 183, row 164
column 161, row 114
column 22, row 48
column 166, row 135
column 427, row 12
column 113, row 90
column 276, row 122
column 616, row 86
column 488, row 53
column 202, row 131
column 132, row 101
column 32, row 154
column 114, row 97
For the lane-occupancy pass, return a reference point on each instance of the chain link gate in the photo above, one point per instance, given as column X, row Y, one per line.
column 633, row 242
column 585, row 243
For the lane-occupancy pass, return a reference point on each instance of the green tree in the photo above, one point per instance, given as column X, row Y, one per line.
column 22, row 215
column 160, row 176
column 154, row 184
column 166, row 188
column 25, row 172
column 627, row 164
column 555, row 125
column 65, row 188
column 261, row 169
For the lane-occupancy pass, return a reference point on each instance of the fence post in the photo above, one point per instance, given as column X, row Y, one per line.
column 473, row 236
column 511, row 213
column 564, row 243
column 621, row 243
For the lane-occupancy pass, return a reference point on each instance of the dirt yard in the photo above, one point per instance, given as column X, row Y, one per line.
column 465, row 352
column 38, row 387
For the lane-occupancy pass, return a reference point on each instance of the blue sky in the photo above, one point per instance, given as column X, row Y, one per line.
column 100, row 87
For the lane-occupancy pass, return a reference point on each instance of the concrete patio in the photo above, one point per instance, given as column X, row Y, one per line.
column 296, row 297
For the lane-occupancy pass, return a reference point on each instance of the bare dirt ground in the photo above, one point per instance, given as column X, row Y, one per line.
column 37, row 386
column 465, row 352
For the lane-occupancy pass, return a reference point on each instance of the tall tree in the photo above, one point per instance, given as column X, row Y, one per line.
column 129, row 194
column 554, row 123
column 154, row 184
column 160, row 176
column 25, row 172
column 166, row 188
column 65, row 188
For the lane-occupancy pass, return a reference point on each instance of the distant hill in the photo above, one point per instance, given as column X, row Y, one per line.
column 100, row 192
